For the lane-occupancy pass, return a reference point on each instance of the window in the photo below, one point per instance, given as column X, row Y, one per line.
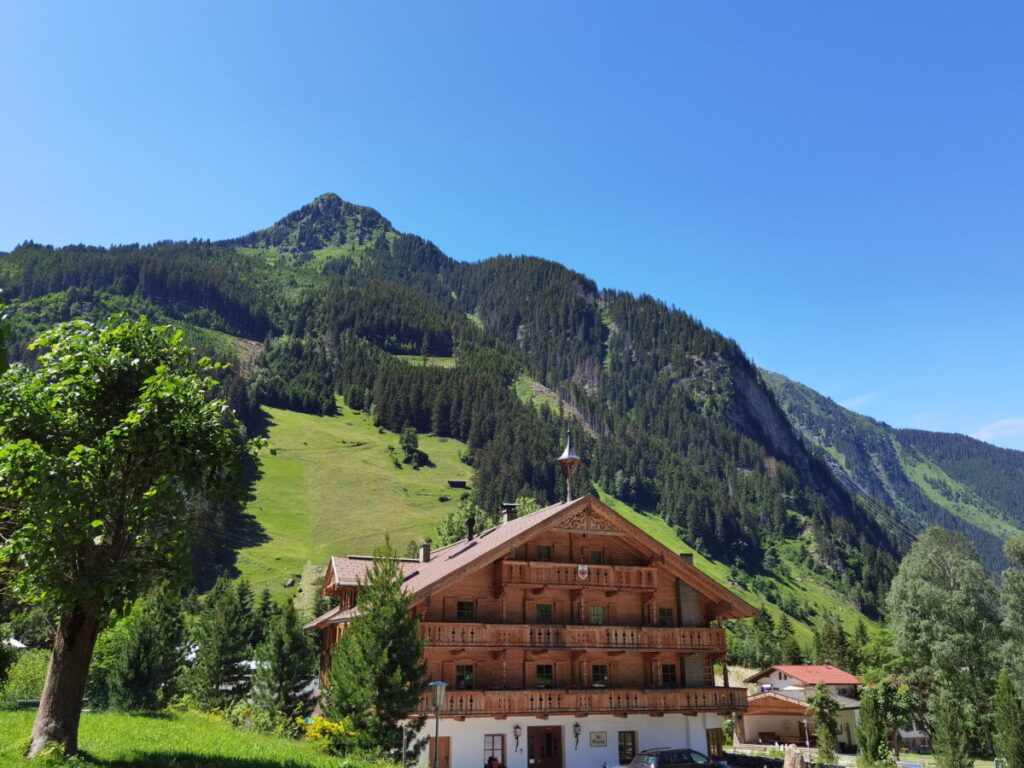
column 464, row 677
column 545, row 613
column 494, row 746
column 544, row 553
column 599, row 614
column 716, row 744
column 545, row 676
column 599, row 675
column 627, row 746
column 668, row 675
column 465, row 610
column 596, row 557
column 665, row 618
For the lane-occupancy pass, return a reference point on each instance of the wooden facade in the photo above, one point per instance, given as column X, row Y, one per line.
column 570, row 610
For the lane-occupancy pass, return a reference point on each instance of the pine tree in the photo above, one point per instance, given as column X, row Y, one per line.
column 789, row 647
column 951, row 732
column 858, row 652
column 218, row 674
column 824, row 708
column 872, row 748
column 377, row 670
column 265, row 612
column 284, row 666
column 148, row 653
column 1009, row 723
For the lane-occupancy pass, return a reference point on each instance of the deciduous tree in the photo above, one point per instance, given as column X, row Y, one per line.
column 944, row 616
column 102, row 446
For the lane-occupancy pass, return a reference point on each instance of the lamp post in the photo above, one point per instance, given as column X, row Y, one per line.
column 438, row 687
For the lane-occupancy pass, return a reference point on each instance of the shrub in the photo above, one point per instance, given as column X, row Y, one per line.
column 25, row 679
column 333, row 737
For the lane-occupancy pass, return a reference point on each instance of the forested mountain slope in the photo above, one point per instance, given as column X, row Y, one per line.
column 929, row 478
column 332, row 300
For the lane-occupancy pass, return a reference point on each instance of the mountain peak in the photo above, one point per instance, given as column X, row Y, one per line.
column 326, row 222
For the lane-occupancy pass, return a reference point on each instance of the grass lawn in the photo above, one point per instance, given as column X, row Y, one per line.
column 330, row 486
column 173, row 740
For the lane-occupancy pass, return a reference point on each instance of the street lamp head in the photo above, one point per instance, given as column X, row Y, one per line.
column 517, row 731
column 438, row 687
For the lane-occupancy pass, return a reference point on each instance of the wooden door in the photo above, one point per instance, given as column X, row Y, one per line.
column 544, row 746
column 445, row 755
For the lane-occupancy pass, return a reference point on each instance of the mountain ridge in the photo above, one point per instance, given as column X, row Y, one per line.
column 899, row 468
column 687, row 429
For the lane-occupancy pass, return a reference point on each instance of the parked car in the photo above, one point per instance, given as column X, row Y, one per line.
column 666, row 757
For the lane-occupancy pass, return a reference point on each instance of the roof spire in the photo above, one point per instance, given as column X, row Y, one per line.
column 569, row 462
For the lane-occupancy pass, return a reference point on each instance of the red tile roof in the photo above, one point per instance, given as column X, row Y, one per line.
column 812, row 674
column 466, row 556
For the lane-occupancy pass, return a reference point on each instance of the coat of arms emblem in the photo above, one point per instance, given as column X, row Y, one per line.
column 582, row 571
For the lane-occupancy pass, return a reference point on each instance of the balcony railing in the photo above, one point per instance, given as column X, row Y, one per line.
column 551, row 702
column 450, row 635
column 568, row 575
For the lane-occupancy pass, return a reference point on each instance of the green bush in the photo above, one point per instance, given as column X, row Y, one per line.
column 26, row 678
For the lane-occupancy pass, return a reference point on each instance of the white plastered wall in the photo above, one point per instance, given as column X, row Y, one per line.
column 671, row 730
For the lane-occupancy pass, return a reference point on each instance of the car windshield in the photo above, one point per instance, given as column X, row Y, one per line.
column 643, row 761
column 697, row 757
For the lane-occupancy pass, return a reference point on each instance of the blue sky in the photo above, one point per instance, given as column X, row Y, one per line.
column 838, row 186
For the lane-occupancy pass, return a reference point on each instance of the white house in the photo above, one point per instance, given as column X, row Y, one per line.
column 777, row 707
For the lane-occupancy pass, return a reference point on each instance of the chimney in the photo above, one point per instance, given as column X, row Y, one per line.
column 686, row 557
column 510, row 509
column 470, row 528
column 425, row 551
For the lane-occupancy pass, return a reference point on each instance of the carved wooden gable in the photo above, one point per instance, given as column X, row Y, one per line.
column 588, row 519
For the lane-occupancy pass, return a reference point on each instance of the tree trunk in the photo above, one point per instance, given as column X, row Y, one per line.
column 60, row 706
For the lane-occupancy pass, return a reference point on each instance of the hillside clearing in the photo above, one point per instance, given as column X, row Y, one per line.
column 335, row 486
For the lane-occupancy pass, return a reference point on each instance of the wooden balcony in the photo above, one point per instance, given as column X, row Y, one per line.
column 462, row 704
column 529, row 574
column 453, row 635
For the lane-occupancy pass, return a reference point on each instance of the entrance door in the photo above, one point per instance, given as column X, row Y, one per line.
column 544, row 746
column 445, row 754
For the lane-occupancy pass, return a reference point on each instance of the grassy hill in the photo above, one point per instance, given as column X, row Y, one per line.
column 334, row 486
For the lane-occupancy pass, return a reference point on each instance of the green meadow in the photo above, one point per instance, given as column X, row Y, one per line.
column 334, row 486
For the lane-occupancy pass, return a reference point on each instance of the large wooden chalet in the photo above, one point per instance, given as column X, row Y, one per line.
column 568, row 638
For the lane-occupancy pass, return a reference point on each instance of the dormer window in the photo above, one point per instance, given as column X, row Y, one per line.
column 544, row 553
